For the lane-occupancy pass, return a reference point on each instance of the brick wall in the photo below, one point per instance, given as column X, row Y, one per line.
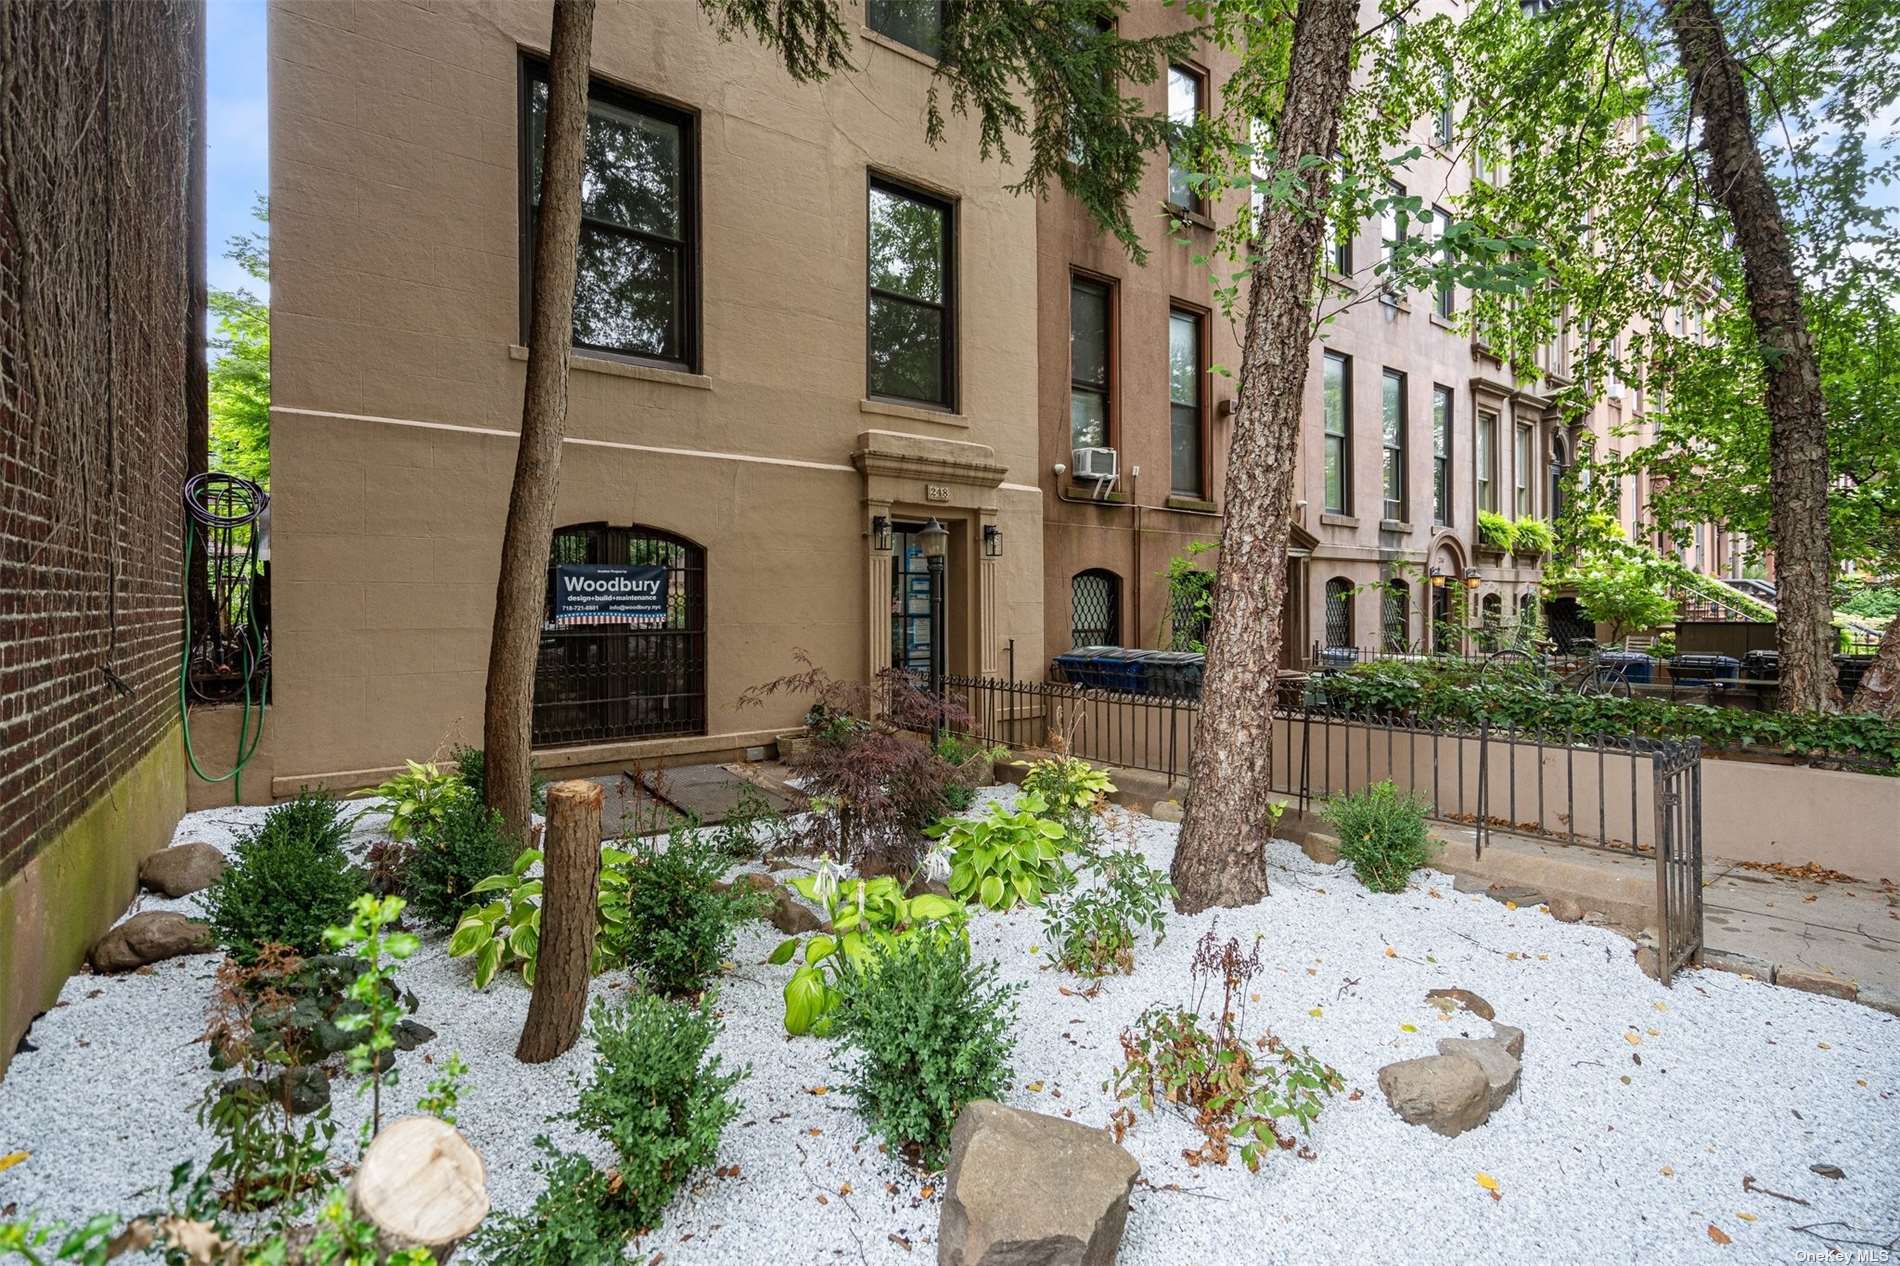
column 94, row 315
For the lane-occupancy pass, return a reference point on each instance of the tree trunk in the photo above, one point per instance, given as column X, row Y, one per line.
column 570, row 892
column 1221, row 858
column 1797, row 443
column 508, row 710
column 420, row 1185
column 1879, row 691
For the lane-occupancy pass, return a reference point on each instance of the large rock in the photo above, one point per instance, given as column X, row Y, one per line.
column 182, row 869
column 1167, row 811
column 791, row 916
column 1494, row 1057
column 151, row 937
column 1447, row 1093
column 1026, row 1189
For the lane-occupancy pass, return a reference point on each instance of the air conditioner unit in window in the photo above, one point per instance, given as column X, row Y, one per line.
column 1093, row 463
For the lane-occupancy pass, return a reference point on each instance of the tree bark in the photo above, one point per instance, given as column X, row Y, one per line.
column 526, row 539
column 1221, row 858
column 1879, row 691
column 1797, row 443
column 570, row 893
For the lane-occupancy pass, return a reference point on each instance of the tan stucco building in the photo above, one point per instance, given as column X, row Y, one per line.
column 761, row 396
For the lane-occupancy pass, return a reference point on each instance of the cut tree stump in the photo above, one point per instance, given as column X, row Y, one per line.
column 570, row 886
column 422, row 1186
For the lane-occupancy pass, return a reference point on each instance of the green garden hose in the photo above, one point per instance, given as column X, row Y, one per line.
column 223, row 503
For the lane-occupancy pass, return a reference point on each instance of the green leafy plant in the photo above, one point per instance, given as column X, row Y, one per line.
column 369, row 935
column 576, row 1221
column 1382, row 834
column 1863, row 741
column 660, row 909
column 1496, row 532
column 657, row 1097
column 864, row 917
column 753, row 828
column 1073, row 792
column 1235, row 1091
column 1629, row 598
column 450, row 855
column 507, row 931
column 1531, row 536
column 1664, row 647
column 288, row 880
column 444, row 1091
column 1006, row 855
column 927, row 1030
column 1093, row 927
column 418, row 799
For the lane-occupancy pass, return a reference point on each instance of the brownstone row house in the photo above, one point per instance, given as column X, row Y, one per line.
column 802, row 334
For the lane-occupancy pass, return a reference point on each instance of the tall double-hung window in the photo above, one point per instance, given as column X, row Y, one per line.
column 636, row 284
column 910, row 317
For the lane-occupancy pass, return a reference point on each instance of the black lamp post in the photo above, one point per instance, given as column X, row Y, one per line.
column 933, row 538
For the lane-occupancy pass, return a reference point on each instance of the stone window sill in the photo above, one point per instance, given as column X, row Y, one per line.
column 589, row 363
column 1193, row 505
column 1089, row 492
column 1338, row 520
column 912, row 412
column 1394, row 525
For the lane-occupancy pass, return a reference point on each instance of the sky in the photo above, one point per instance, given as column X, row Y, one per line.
column 238, row 136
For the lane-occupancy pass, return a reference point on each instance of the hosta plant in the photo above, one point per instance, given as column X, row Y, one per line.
column 1006, row 856
column 418, row 800
column 506, row 931
column 866, row 917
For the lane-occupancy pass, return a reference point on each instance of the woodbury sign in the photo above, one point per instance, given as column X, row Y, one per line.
column 603, row 593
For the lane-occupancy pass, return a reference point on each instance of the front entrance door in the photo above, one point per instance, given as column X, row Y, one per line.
column 910, row 601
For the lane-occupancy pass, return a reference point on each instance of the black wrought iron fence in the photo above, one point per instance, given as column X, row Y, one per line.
column 1638, row 796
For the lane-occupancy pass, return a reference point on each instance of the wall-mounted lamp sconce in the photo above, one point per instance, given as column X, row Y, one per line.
column 1438, row 578
column 1472, row 579
column 881, row 534
column 992, row 541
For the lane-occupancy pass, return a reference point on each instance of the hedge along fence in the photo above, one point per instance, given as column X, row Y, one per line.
column 1450, row 698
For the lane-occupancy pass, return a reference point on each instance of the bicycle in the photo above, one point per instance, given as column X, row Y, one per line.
column 1587, row 675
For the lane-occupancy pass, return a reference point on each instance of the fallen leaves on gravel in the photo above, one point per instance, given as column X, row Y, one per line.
column 1717, row 1234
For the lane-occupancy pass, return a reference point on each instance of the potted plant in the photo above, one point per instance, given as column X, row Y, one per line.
column 1496, row 535
column 1531, row 538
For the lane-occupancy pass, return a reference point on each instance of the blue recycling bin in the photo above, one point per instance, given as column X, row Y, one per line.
column 1633, row 666
column 1080, row 668
column 1119, row 668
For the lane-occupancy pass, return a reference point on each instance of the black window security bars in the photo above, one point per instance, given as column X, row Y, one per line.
column 1095, row 609
column 1636, row 796
column 601, row 682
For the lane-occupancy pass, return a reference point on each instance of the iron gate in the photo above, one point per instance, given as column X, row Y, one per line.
column 600, row 682
column 1678, row 769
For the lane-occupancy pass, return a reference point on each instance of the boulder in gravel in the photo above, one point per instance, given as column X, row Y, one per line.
column 1447, row 1093
column 182, row 869
column 1166, row 811
column 151, row 937
column 1500, row 1067
column 1512, row 1038
column 1463, row 998
column 791, row 916
column 750, row 879
column 1566, row 909
column 1025, row 1189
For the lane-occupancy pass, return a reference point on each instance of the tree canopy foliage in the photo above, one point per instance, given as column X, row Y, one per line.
column 239, row 372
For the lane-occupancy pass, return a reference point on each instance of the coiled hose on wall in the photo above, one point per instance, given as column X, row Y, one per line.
column 217, row 506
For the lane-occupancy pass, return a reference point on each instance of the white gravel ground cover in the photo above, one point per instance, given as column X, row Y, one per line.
column 1597, row 1158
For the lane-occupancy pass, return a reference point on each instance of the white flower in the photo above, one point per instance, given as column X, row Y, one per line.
column 824, row 884
column 937, row 865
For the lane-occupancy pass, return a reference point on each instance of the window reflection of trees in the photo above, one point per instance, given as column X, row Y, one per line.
column 908, row 309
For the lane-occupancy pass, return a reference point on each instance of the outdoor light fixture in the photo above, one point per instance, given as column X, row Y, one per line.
column 992, row 541
column 933, row 538
column 1472, row 579
column 881, row 534
column 1438, row 579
